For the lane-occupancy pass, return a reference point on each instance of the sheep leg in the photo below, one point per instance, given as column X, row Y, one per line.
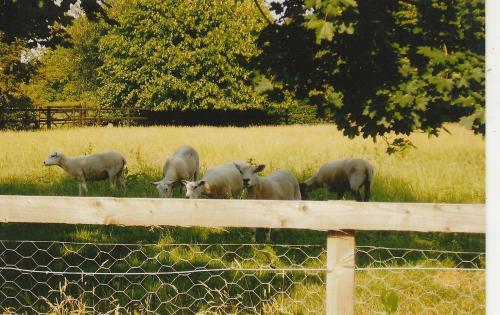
column 121, row 179
column 254, row 234
column 258, row 235
column 355, row 182
column 357, row 195
column 112, row 182
column 340, row 195
column 82, row 186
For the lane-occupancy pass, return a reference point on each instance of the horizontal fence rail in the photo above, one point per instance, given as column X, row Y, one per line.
column 58, row 116
column 339, row 278
column 314, row 215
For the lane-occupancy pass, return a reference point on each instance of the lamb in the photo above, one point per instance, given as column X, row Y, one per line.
column 223, row 182
column 99, row 166
column 279, row 185
column 184, row 164
column 341, row 176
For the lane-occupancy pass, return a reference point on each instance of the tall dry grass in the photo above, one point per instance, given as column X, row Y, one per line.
column 449, row 168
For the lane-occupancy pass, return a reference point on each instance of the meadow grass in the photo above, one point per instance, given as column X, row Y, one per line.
column 448, row 169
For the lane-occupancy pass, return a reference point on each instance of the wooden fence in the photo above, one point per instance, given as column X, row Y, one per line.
column 339, row 218
column 53, row 117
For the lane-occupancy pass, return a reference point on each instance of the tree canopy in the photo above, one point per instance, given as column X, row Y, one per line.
column 371, row 67
column 34, row 21
column 380, row 66
column 177, row 54
column 69, row 74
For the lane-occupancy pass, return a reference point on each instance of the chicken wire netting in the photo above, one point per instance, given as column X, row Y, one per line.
column 69, row 277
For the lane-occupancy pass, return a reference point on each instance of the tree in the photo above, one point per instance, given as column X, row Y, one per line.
column 24, row 25
column 69, row 73
column 13, row 72
column 34, row 21
column 380, row 66
column 177, row 54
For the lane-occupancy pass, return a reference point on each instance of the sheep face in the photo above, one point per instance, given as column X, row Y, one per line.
column 164, row 188
column 249, row 173
column 194, row 189
column 53, row 159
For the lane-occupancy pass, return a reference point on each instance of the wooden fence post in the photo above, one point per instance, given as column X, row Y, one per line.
column 49, row 117
column 2, row 116
column 37, row 118
column 341, row 249
column 98, row 116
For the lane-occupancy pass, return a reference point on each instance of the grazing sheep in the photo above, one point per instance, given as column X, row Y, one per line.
column 223, row 182
column 93, row 167
column 184, row 164
column 341, row 176
column 279, row 185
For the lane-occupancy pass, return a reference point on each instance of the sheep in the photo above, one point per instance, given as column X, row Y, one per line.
column 222, row 182
column 99, row 166
column 341, row 176
column 279, row 185
column 184, row 164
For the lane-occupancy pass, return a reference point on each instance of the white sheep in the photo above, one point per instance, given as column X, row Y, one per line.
column 341, row 176
column 184, row 164
column 222, row 182
column 279, row 185
column 99, row 166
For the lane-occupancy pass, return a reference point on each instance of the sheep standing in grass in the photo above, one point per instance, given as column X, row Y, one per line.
column 341, row 176
column 279, row 185
column 184, row 164
column 93, row 167
column 222, row 182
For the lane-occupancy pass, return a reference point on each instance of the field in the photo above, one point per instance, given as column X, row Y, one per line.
column 448, row 169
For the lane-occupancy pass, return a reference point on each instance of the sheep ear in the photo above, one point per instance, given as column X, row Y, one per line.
column 259, row 168
column 201, row 183
column 155, row 183
column 237, row 167
column 184, row 182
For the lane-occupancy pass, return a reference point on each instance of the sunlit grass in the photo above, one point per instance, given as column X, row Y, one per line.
column 449, row 168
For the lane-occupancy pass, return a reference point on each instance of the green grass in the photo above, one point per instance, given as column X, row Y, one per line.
column 446, row 169
column 449, row 168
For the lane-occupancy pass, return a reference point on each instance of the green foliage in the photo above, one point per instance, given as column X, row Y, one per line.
column 179, row 55
column 13, row 72
column 33, row 21
column 381, row 66
column 68, row 74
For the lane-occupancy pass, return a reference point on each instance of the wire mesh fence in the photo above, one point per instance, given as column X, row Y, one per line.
column 415, row 281
column 62, row 277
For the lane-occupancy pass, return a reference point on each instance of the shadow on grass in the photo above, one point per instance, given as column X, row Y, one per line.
column 139, row 185
column 383, row 190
